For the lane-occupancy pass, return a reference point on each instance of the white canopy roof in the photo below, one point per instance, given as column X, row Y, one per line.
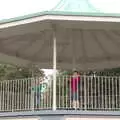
column 82, row 42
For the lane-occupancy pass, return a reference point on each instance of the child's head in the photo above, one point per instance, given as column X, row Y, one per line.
column 75, row 73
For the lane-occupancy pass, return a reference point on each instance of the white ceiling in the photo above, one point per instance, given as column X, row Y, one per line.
column 90, row 45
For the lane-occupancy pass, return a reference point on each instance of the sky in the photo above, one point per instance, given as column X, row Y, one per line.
column 15, row 8
column 48, row 72
column 108, row 6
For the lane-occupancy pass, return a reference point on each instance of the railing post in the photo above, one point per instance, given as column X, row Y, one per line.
column 85, row 94
column 54, row 68
column 32, row 95
column 0, row 101
column 32, row 101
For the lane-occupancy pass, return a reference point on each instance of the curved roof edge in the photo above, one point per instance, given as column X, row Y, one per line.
column 68, row 7
column 59, row 13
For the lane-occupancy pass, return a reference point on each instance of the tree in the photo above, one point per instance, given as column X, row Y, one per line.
column 8, row 72
column 16, row 83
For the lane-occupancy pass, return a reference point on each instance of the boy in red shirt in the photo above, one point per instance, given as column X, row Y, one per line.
column 74, row 84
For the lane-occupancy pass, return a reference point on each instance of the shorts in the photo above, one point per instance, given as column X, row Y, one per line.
column 37, row 98
column 75, row 96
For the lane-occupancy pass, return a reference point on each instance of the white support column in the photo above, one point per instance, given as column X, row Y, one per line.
column 73, row 48
column 54, row 70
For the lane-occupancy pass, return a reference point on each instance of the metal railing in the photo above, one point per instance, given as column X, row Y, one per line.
column 93, row 93
column 25, row 94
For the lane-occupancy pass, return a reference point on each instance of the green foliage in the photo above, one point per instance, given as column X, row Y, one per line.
column 107, row 72
column 15, row 72
column 112, row 72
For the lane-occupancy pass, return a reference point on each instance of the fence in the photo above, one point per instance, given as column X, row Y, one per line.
column 24, row 94
column 93, row 93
